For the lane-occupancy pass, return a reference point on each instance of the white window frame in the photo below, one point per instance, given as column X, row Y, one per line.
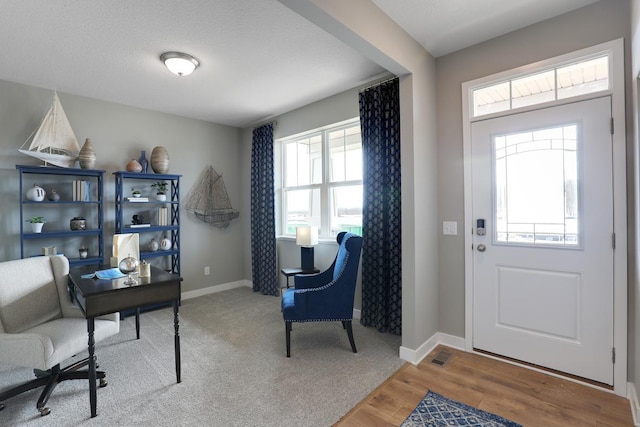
column 324, row 187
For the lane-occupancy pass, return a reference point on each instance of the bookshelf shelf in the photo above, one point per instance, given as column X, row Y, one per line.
column 57, row 214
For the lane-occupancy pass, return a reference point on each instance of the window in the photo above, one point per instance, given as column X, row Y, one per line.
column 321, row 180
column 567, row 81
column 536, row 187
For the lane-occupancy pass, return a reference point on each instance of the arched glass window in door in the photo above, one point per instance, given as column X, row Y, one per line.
column 536, row 194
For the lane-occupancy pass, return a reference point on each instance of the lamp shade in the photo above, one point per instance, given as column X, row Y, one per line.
column 180, row 64
column 307, row 235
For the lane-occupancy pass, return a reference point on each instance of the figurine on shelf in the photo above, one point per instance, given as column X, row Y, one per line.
column 137, row 219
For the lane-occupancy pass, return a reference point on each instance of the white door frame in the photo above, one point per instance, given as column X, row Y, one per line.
column 616, row 49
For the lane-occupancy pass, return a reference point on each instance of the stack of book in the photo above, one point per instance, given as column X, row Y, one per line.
column 163, row 216
column 137, row 199
column 81, row 191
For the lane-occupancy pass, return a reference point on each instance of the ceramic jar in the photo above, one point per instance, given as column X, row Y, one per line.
column 165, row 243
column 78, row 223
column 83, row 252
column 153, row 245
column 160, row 160
column 145, row 269
column 53, row 196
column 87, row 156
column 133, row 166
column 36, row 193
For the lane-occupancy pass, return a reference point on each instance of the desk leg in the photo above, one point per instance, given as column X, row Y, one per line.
column 137, row 323
column 176, row 327
column 92, row 367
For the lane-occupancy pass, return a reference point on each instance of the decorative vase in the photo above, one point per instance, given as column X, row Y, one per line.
column 161, row 197
column 36, row 193
column 165, row 243
column 143, row 161
column 53, row 196
column 36, row 227
column 153, row 245
column 87, row 155
column 134, row 166
column 83, row 252
column 160, row 160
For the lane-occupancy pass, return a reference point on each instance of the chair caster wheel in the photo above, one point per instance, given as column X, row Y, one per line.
column 103, row 383
column 44, row 411
column 1, row 406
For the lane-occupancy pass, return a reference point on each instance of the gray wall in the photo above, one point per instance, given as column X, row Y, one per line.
column 118, row 134
column 588, row 26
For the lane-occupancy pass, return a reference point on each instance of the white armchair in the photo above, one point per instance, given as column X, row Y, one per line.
column 40, row 327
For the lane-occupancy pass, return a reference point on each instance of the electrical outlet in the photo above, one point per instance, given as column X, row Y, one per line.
column 450, row 228
column 207, row 271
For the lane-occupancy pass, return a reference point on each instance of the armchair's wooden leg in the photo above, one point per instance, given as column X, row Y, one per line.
column 287, row 327
column 347, row 325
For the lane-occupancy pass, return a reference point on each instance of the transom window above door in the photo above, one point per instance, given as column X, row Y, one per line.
column 578, row 78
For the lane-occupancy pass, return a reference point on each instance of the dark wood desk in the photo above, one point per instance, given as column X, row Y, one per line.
column 288, row 272
column 97, row 297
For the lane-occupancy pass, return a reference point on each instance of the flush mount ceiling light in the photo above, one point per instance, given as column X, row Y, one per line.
column 180, row 64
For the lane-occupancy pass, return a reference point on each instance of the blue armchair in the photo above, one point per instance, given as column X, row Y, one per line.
column 326, row 296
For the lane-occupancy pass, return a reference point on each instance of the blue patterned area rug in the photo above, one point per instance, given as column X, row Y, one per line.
column 435, row 411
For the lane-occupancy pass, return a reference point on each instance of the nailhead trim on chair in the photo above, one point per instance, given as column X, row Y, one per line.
column 321, row 320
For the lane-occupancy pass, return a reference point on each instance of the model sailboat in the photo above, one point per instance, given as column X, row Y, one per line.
column 209, row 201
column 53, row 141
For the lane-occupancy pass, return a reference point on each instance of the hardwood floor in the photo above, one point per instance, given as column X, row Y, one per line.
column 519, row 394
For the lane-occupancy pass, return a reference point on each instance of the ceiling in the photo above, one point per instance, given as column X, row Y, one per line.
column 258, row 58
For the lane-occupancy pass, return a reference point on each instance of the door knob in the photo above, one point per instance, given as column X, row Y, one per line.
column 481, row 248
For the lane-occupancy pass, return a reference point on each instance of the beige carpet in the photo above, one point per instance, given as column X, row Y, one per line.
column 234, row 371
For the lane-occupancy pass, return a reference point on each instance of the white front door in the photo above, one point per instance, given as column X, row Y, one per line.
column 543, row 270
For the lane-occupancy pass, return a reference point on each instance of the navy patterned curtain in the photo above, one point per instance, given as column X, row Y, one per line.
column 263, row 226
column 381, row 226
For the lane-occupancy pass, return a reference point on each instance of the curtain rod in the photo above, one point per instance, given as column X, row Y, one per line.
column 379, row 83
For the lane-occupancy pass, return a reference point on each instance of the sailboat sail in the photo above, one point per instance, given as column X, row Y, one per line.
column 209, row 200
column 53, row 141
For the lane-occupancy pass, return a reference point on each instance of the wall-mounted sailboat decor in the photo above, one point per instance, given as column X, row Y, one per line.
column 208, row 200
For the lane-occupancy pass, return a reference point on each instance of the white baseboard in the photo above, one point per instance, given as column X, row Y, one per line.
column 216, row 288
column 632, row 395
column 416, row 356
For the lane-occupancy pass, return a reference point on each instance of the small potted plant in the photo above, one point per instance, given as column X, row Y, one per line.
column 36, row 223
column 135, row 193
column 161, row 190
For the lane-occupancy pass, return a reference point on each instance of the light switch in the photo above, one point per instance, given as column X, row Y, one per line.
column 450, row 228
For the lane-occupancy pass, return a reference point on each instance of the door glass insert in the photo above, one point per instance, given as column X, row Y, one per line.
column 536, row 187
